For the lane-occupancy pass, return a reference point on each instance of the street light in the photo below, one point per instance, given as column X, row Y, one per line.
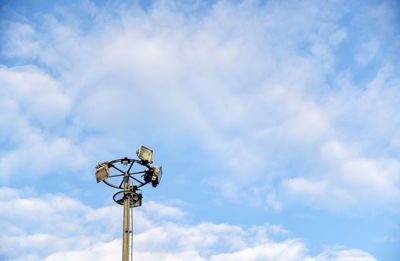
column 130, row 196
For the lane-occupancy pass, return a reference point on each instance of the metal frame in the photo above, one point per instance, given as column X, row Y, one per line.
column 127, row 174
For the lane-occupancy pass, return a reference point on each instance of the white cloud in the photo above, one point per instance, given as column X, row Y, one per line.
column 161, row 211
column 287, row 250
column 22, row 40
column 34, row 111
column 373, row 180
column 367, row 52
column 273, row 203
column 42, row 156
column 340, row 254
column 356, row 163
column 37, row 94
column 56, row 227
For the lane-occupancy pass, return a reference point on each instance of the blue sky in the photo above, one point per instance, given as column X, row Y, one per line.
column 276, row 122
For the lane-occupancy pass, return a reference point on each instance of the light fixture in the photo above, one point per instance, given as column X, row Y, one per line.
column 145, row 154
column 136, row 200
column 102, row 171
column 157, row 174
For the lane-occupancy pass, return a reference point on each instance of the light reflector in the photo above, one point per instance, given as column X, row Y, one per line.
column 102, row 171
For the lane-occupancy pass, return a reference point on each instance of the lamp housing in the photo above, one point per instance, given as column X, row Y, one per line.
column 102, row 171
column 157, row 174
column 145, row 154
column 136, row 200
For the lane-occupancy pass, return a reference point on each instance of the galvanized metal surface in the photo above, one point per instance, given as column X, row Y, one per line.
column 125, row 239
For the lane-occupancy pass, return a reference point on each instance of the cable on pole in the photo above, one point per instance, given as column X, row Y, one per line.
column 131, row 236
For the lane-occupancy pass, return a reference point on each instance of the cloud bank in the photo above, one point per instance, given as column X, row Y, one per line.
column 58, row 227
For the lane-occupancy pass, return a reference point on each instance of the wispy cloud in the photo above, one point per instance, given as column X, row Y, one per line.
column 258, row 86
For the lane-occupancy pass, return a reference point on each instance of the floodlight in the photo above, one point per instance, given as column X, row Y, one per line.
column 157, row 174
column 145, row 154
column 136, row 200
column 102, row 171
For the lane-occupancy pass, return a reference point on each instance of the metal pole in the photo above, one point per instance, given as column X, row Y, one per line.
column 125, row 243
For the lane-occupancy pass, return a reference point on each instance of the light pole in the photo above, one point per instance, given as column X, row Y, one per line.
column 130, row 196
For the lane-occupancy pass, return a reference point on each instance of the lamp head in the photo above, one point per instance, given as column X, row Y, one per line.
column 136, row 200
column 102, row 171
column 153, row 175
column 157, row 174
column 145, row 154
